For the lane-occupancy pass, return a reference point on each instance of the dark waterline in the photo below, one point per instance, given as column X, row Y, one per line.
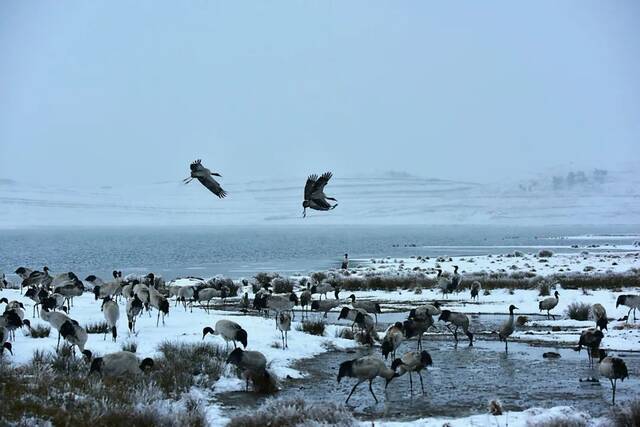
column 239, row 251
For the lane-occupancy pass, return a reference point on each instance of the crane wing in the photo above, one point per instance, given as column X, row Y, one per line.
column 308, row 187
column 321, row 182
column 213, row 186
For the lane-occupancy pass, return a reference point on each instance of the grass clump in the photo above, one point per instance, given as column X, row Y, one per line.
column 544, row 290
column 578, row 311
column 312, row 327
column 264, row 279
column 37, row 393
column 97, row 328
column 282, row 285
column 365, row 337
column 545, row 253
column 626, row 415
column 295, row 412
column 318, row 277
column 346, row 333
column 40, row 331
column 185, row 365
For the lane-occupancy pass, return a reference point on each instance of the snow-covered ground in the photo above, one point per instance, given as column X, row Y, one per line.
column 187, row 327
column 180, row 326
column 589, row 260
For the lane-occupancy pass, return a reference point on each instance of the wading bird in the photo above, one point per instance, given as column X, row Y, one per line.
column 363, row 369
column 413, row 361
column 508, row 328
column 203, row 175
column 613, row 368
column 314, row 197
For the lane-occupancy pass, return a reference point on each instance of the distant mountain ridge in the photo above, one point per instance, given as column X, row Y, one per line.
column 386, row 198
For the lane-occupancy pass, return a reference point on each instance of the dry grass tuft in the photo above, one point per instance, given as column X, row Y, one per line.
column 312, row 327
column 295, row 412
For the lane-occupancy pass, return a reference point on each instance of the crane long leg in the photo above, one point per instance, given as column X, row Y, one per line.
column 352, row 390
column 371, row 390
column 421, row 383
column 411, row 382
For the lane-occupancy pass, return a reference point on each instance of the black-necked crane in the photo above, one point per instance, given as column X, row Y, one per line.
column 614, row 369
column 419, row 321
column 324, row 289
column 345, row 262
column 365, row 368
column 74, row 334
column 252, row 363
column 600, row 316
column 229, row 331
column 325, row 306
column 459, row 320
column 393, row 337
column 23, row 273
column 371, row 307
column 475, row 290
column 412, row 361
column 284, row 325
column 134, row 309
column 160, row 303
column 56, row 320
column 4, row 341
column 590, row 338
column 117, row 364
column 13, row 319
column 508, row 328
column 37, row 295
column 305, row 301
column 111, row 313
column 204, row 175
column 549, row 304
column 314, row 197
column 631, row 301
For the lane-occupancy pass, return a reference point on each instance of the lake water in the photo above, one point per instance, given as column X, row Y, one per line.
column 242, row 251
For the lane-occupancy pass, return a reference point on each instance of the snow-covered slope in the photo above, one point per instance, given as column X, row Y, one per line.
column 390, row 198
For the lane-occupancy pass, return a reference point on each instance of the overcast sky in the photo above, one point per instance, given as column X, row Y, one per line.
column 105, row 92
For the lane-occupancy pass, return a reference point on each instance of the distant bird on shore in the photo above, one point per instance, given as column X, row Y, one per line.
column 314, row 197
column 345, row 262
column 203, row 175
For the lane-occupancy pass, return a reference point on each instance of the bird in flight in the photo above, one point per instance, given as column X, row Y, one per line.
column 314, row 197
column 204, row 176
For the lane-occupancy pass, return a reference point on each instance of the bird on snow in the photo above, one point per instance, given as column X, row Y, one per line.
column 549, row 304
column 229, row 331
column 117, row 364
column 314, row 197
column 203, row 175
column 631, row 301
column 600, row 316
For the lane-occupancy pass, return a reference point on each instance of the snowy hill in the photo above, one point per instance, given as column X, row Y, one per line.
column 392, row 198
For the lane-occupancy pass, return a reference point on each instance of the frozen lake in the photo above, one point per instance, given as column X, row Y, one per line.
column 242, row 251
